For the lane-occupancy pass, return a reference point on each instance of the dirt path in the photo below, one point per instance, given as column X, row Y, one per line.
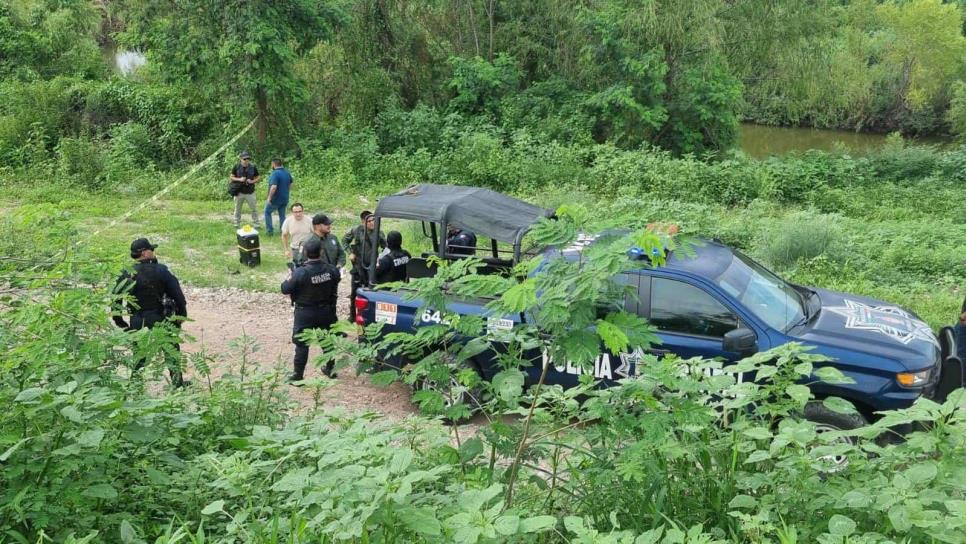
column 219, row 316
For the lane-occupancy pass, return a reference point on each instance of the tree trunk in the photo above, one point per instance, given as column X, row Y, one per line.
column 261, row 108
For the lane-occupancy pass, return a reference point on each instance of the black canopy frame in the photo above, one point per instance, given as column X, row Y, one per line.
column 483, row 211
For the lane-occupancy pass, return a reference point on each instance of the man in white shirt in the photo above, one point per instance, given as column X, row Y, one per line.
column 296, row 229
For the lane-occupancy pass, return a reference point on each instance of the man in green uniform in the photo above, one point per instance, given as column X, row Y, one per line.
column 332, row 252
column 359, row 243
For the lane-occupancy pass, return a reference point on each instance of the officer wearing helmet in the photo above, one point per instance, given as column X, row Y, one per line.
column 313, row 288
column 156, row 296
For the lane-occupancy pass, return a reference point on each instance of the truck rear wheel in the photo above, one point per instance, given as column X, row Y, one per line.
column 455, row 393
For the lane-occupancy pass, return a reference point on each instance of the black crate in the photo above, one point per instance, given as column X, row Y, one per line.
column 249, row 251
column 250, row 258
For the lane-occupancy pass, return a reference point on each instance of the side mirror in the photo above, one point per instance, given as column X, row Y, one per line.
column 742, row 341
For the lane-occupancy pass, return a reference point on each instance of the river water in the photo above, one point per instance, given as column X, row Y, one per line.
column 760, row 141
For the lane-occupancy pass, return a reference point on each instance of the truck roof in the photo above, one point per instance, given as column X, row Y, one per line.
column 483, row 211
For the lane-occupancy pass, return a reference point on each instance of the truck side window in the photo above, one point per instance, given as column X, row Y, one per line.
column 627, row 283
column 680, row 307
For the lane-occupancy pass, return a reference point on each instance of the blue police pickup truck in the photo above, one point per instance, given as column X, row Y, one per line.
column 716, row 302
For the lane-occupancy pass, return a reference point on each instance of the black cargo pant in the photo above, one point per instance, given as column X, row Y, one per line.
column 309, row 317
column 358, row 278
column 148, row 319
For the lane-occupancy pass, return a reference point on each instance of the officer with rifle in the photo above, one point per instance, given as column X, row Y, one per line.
column 313, row 288
column 157, row 297
column 359, row 243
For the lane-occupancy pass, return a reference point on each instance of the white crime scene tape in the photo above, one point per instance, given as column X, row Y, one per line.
column 171, row 186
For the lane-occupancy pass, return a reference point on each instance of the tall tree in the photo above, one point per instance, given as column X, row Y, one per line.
column 243, row 51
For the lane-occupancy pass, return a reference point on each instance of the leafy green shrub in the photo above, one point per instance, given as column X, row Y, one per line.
column 798, row 237
column 898, row 161
column 418, row 128
column 80, row 163
column 479, row 85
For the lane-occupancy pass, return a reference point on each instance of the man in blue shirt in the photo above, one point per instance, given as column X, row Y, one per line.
column 278, row 190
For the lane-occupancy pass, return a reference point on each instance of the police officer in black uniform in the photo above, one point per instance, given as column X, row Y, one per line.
column 152, row 287
column 391, row 265
column 313, row 288
column 460, row 242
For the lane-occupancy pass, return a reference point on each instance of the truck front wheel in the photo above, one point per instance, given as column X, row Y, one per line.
column 826, row 420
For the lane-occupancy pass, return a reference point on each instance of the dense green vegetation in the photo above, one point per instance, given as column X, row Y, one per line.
column 620, row 112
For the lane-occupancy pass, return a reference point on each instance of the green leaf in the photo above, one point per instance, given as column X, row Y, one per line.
column 29, row 394
column 839, row 405
column 520, row 297
column 799, row 393
column 473, row 500
column 91, row 439
column 294, row 480
column 13, row 449
column 470, row 449
column 384, row 378
column 922, row 473
column 840, row 525
column 899, row 517
column 537, row 524
column 421, row 521
column 614, row 339
column 830, row 374
column 758, row 433
column 574, row 524
column 72, row 413
column 508, row 384
column 742, row 501
column 429, row 401
column 758, row 456
column 400, row 460
column 507, row 525
column 100, row 491
column 128, row 534
column 213, row 508
column 856, row 498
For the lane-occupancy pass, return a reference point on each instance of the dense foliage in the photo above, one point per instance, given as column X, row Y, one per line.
column 674, row 75
column 88, row 453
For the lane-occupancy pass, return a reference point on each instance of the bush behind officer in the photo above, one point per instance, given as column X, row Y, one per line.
column 149, row 284
column 314, row 289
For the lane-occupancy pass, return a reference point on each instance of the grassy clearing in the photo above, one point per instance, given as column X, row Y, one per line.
column 876, row 227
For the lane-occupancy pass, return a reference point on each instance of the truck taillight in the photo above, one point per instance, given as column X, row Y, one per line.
column 361, row 304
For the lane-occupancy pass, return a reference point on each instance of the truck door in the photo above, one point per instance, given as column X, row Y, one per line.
column 691, row 321
column 607, row 366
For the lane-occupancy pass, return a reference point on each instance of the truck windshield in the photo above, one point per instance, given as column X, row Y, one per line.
column 762, row 292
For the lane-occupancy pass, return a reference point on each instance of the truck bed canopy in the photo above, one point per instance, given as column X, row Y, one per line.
column 485, row 212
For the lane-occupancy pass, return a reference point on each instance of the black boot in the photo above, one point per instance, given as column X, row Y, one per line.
column 297, row 375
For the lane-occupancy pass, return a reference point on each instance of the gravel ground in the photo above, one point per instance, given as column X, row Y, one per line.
column 218, row 316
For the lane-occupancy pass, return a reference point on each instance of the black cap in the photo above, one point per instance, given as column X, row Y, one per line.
column 140, row 245
column 244, row 155
column 365, row 214
column 312, row 248
column 321, row 219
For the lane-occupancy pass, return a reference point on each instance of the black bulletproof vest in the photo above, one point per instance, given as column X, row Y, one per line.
column 315, row 284
column 246, row 172
column 148, row 289
column 396, row 259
